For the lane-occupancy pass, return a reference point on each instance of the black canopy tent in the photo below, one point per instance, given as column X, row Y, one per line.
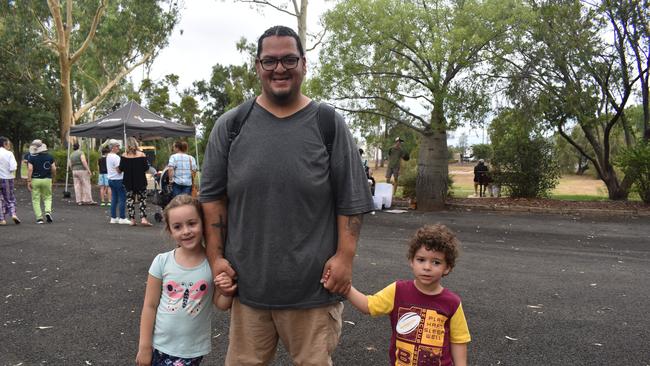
column 132, row 120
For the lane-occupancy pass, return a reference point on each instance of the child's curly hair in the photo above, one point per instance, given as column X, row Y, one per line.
column 436, row 237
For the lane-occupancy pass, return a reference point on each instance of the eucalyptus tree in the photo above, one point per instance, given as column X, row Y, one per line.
column 412, row 63
column 294, row 8
column 573, row 62
column 28, row 89
column 101, row 41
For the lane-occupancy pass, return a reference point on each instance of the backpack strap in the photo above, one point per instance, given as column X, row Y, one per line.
column 325, row 120
column 327, row 125
column 235, row 125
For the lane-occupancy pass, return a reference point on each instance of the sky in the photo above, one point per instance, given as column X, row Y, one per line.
column 209, row 30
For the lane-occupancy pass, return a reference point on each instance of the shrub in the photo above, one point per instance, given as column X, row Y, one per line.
column 524, row 160
column 482, row 151
column 60, row 159
column 526, row 167
column 407, row 178
column 636, row 163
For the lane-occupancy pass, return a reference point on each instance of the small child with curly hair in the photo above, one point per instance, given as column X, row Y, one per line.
column 427, row 320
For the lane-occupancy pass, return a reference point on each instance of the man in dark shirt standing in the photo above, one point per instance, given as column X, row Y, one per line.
column 480, row 176
column 283, row 215
column 395, row 155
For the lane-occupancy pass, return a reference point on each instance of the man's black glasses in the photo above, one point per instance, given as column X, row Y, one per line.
column 288, row 62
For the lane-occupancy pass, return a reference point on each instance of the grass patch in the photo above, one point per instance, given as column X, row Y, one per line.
column 461, row 192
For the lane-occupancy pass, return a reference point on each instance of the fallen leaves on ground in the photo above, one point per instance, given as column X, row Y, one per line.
column 553, row 204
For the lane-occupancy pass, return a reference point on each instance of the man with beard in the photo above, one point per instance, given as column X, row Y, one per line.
column 283, row 213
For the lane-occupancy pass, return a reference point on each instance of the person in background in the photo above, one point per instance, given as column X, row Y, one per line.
column 26, row 159
column 134, row 165
column 115, row 181
column 80, row 176
column 368, row 171
column 104, row 189
column 181, row 167
column 395, row 157
column 41, row 171
column 8, row 166
column 480, row 172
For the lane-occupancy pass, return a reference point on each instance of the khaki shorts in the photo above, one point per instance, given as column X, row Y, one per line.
column 309, row 335
column 392, row 172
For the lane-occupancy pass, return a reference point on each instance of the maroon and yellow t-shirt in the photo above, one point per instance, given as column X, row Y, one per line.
column 423, row 325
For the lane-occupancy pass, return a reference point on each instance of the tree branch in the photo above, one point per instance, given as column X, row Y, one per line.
column 268, row 3
column 55, row 10
column 384, row 115
column 102, row 94
column 387, row 100
column 580, row 150
column 320, row 40
column 91, row 32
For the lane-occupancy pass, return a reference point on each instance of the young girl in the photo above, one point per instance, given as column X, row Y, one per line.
column 175, row 322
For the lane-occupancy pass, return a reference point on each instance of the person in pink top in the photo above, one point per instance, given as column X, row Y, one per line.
column 427, row 320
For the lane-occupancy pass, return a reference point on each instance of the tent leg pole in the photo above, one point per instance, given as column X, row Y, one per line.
column 196, row 145
column 198, row 163
column 66, row 194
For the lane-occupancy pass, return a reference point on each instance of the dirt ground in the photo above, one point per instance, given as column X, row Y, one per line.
column 463, row 176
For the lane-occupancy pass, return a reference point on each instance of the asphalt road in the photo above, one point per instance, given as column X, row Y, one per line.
column 537, row 289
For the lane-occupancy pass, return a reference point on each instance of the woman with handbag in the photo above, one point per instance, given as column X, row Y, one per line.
column 181, row 169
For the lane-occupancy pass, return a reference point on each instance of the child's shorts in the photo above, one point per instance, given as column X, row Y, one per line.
column 103, row 180
column 163, row 359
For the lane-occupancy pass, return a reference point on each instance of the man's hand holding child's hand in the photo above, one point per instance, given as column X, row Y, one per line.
column 224, row 284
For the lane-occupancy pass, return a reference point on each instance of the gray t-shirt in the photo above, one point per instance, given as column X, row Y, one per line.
column 283, row 197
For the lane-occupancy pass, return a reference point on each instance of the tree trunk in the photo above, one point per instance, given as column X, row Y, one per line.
column 431, row 184
column 65, row 109
column 302, row 23
column 616, row 191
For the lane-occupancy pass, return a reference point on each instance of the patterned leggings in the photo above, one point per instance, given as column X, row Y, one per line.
column 141, row 196
column 162, row 359
column 7, row 198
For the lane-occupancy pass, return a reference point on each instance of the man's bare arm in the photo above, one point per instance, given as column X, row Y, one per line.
column 215, row 226
column 215, row 229
column 340, row 265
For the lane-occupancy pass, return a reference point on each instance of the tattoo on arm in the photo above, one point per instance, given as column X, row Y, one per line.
column 354, row 225
column 223, row 228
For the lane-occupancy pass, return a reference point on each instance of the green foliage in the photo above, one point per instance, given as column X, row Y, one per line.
column 560, row 66
column 28, row 89
column 382, row 56
column 61, row 158
column 636, row 164
column 408, row 177
column 228, row 87
column 411, row 63
column 523, row 160
column 482, row 151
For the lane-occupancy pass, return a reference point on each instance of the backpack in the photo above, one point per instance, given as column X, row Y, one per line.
column 325, row 120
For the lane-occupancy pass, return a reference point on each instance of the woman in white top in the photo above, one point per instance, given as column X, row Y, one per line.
column 115, row 177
